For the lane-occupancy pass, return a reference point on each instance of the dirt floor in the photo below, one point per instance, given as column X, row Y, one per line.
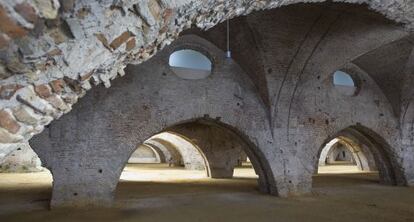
column 158, row 193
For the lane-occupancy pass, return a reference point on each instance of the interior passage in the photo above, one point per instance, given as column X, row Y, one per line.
column 207, row 110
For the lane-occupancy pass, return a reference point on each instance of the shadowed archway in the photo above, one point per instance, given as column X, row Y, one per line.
column 377, row 152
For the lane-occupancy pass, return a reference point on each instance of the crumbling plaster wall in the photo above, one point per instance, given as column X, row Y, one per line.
column 51, row 51
column 100, row 139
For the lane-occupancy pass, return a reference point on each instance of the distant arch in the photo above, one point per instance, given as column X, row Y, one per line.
column 192, row 158
column 358, row 154
column 381, row 153
column 145, row 154
column 223, row 148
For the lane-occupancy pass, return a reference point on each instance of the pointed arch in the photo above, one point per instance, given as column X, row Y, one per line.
column 374, row 146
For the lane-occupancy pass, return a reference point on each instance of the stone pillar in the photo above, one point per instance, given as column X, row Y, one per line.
column 222, row 149
column 221, row 173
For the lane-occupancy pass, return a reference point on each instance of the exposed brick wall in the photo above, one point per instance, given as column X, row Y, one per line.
column 74, row 44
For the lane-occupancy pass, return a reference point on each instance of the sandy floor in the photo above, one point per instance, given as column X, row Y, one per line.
column 338, row 169
column 160, row 194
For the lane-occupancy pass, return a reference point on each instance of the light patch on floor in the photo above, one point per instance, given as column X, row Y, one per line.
column 161, row 172
column 335, row 197
column 338, row 169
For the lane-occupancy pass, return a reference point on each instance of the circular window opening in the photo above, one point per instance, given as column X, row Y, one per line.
column 190, row 64
column 344, row 83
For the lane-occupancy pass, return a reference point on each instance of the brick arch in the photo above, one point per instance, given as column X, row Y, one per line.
column 67, row 72
column 146, row 154
column 362, row 157
column 374, row 146
column 218, row 142
column 191, row 156
column 90, row 43
column 171, row 155
column 147, row 101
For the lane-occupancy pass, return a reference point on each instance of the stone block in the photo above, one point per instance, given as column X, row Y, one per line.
column 27, row 12
column 57, row 102
column 47, row 8
column 25, row 115
column 120, row 40
column 9, row 26
column 130, row 44
column 7, row 122
column 57, row 85
column 43, row 91
column 6, row 137
column 8, row 91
